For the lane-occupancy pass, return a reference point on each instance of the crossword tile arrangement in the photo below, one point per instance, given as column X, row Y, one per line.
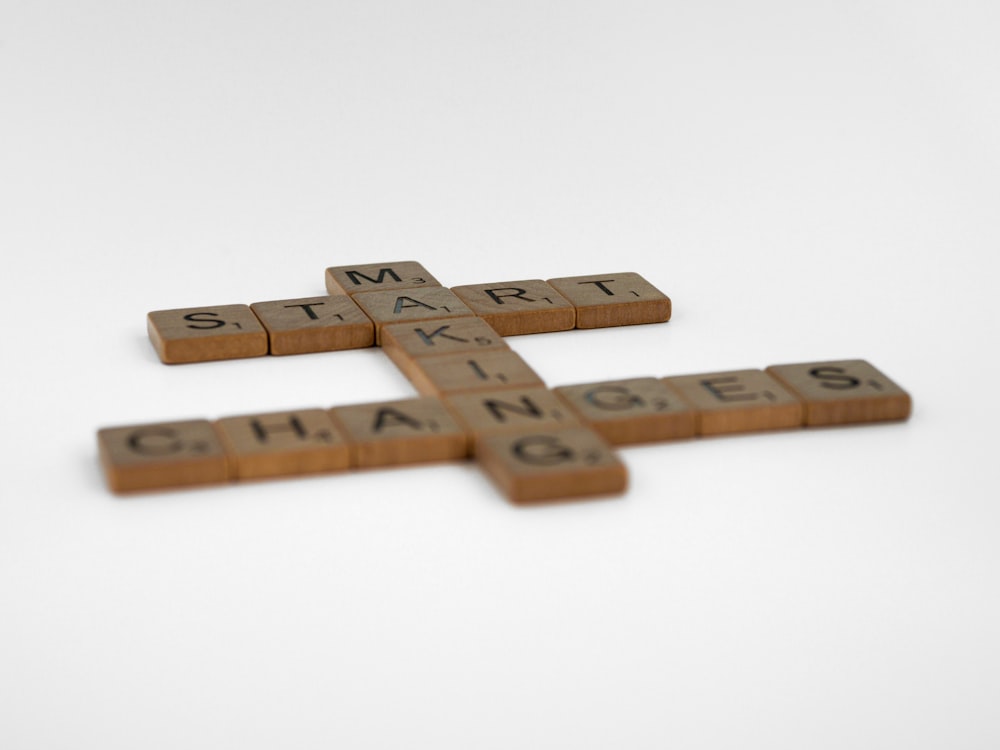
column 479, row 398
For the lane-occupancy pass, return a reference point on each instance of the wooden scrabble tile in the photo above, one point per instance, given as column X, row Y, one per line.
column 410, row 305
column 739, row 401
column 470, row 371
column 518, row 307
column 452, row 336
column 283, row 443
column 551, row 464
column 401, row 432
column 158, row 456
column 843, row 391
column 625, row 412
column 613, row 299
column 487, row 412
column 376, row 277
column 314, row 324
column 201, row 334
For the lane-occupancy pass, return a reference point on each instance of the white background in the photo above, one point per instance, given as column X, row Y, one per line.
column 812, row 180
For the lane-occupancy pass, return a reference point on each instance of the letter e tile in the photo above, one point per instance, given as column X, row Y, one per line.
column 843, row 392
column 738, row 401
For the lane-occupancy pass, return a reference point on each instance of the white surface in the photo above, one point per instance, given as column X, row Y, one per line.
column 805, row 180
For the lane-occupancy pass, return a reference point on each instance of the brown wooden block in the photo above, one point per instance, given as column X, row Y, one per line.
column 638, row 410
column 314, row 324
column 162, row 455
column 488, row 412
column 375, row 277
column 518, row 307
column 452, row 336
column 551, row 464
column 202, row 334
column 843, row 391
column 283, row 443
column 470, row 371
column 613, row 299
column 401, row 432
column 739, row 401
column 410, row 305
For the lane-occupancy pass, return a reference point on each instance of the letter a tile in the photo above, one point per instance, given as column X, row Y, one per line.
column 202, row 334
column 401, row 432
column 409, row 305
column 843, row 392
column 613, row 299
column 158, row 456
column 283, row 443
column 551, row 464
column 738, row 401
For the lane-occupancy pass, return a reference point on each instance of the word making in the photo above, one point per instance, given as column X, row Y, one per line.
column 478, row 398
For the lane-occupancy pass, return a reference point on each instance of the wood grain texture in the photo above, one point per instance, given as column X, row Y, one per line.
column 162, row 455
column 408, row 431
column 283, row 443
column 203, row 334
column 452, row 336
column 738, row 401
column 410, row 305
column 843, row 392
column 613, row 299
column 469, row 371
column 374, row 277
column 503, row 410
column 627, row 412
column 513, row 308
column 314, row 324
column 551, row 464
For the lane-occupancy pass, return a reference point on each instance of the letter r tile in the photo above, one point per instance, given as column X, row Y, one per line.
column 738, row 401
column 518, row 307
column 613, row 299
column 162, row 455
column 843, row 392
